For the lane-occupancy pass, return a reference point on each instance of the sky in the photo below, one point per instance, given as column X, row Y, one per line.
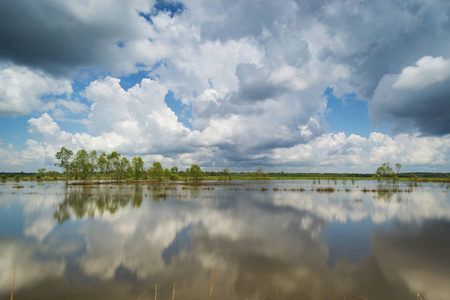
column 292, row 85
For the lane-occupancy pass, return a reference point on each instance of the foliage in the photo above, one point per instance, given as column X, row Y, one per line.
column 124, row 169
column 64, row 156
column 81, row 166
column 196, row 173
column 166, row 173
column 114, row 164
column 138, row 167
column 40, row 173
column 398, row 167
column 156, row 171
column 102, row 163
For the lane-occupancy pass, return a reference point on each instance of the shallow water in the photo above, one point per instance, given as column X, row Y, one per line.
column 267, row 240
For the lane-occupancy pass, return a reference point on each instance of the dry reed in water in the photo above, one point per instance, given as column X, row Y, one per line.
column 212, row 284
column 156, row 291
column 143, row 294
column 13, row 283
column 227, row 290
column 173, row 293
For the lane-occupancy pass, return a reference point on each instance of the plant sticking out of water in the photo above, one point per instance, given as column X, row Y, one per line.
column 419, row 295
column 212, row 283
column 13, row 283
column 173, row 292
column 325, row 190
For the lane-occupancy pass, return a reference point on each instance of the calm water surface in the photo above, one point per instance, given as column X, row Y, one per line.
column 267, row 240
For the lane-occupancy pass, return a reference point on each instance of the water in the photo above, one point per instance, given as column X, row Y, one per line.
column 266, row 240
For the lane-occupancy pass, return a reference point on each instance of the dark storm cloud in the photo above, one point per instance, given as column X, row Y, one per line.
column 413, row 107
column 52, row 36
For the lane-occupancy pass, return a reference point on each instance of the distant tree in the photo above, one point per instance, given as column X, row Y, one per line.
column 81, row 165
column 196, row 172
column 174, row 170
column 64, row 156
column 187, row 174
column 226, row 173
column 156, row 171
column 114, row 164
column 40, row 173
column 123, row 167
column 259, row 173
column 138, row 167
column 166, row 173
column 93, row 161
column 102, row 163
column 398, row 167
column 384, row 171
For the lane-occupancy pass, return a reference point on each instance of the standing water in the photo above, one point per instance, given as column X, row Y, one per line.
column 269, row 240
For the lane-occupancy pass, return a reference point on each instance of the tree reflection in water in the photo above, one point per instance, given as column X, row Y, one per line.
column 83, row 201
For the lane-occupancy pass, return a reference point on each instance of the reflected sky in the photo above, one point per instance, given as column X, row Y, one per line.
column 268, row 240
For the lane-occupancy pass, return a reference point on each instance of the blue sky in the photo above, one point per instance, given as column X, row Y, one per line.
column 297, row 86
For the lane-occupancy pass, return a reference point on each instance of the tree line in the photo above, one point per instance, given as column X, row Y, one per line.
column 114, row 166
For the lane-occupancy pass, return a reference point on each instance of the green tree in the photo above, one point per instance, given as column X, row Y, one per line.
column 166, row 173
column 123, row 168
column 93, row 161
column 174, row 170
column 398, row 167
column 196, row 172
column 187, row 174
column 259, row 173
column 102, row 163
column 156, row 171
column 138, row 167
column 81, row 165
column 40, row 173
column 64, row 156
column 226, row 173
column 384, row 171
column 114, row 164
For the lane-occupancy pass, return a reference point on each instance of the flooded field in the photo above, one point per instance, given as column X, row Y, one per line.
column 268, row 240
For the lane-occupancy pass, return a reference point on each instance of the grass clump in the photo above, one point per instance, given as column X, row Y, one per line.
column 325, row 190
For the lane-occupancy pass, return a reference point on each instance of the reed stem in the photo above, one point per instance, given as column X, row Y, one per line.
column 212, row 284
column 14, row 282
